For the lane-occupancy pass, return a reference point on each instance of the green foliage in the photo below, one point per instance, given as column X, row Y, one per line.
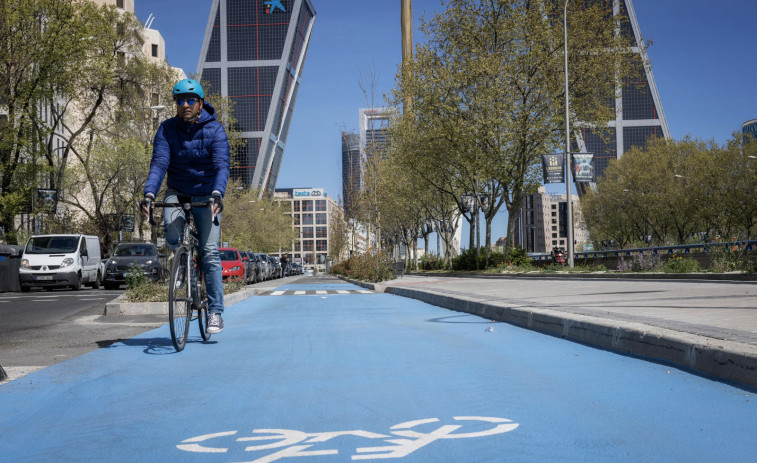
column 148, row 291
column 432, row 262
column 518, row 257
column 675, row 191
column 135, row 276
column 366, row 268
column 724, row 258
column 680, row 264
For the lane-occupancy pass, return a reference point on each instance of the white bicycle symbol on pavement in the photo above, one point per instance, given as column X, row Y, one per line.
column 296, row 443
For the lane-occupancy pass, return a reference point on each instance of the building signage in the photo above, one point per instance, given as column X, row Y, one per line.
column 552, row 165
column 272, row 5
column 583, row 168
column 309, row 193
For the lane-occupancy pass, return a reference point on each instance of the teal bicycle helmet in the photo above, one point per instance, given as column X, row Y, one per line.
column 188, row 86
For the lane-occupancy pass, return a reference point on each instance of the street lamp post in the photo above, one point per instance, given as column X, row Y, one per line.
column 568, row 195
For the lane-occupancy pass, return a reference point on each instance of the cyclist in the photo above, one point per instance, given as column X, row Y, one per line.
column 193, row 150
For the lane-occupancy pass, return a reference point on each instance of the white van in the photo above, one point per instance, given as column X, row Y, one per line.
column 53, row 261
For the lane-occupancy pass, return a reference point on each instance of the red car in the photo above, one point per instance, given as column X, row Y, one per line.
column 233, row 267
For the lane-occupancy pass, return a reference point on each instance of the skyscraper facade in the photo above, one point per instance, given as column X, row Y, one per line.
column 253, row 53
column 350, row 169
column 638, row 108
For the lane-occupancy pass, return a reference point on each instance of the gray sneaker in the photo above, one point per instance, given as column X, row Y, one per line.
column 215, row 325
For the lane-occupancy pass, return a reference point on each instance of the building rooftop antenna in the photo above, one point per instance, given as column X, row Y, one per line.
column 149, row 21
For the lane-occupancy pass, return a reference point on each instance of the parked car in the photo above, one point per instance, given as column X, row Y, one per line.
column 53, row 261
column 249, row 263
column 254, row 267
column 233, row 266
column 127, row 255
column 265, row 266
column 277, row 271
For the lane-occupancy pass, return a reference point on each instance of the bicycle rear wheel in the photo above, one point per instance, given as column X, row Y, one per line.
column 179, row 312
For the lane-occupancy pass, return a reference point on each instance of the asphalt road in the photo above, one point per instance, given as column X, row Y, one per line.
column 42, row 328
column 327, row 371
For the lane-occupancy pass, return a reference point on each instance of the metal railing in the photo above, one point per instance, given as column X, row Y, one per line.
column 677, row 249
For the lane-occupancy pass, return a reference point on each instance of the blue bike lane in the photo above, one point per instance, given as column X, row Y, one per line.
column 330, row 372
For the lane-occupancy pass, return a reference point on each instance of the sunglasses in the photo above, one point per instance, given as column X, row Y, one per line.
column 189, row 101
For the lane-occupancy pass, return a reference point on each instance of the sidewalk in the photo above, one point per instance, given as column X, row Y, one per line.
column 707, row 327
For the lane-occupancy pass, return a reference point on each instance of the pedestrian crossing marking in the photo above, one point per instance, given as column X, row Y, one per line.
column 314, row 292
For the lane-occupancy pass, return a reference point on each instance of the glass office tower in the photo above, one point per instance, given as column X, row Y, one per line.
column 639, row 113
column 253, row 53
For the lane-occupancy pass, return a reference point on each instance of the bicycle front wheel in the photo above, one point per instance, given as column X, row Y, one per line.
column 179, row 311
column 202, row 307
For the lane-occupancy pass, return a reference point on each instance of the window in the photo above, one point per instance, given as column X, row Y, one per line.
column 554, row 214
column 296, row 219
column 321, row 245
column 554, row 228
column 307, row 232
column 554, row 243
column 320, row 232
column 307, row 246
column 154, row 50
column 320, row 218
column 554, row 235
column 554, row 206
column 554, row 220
column 320, row 204
column 307, row 205
column 120, row 4
column 296, row 206
column 307, row 219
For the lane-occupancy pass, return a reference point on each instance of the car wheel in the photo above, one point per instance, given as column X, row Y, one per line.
column 77, row 284
column 98, row 280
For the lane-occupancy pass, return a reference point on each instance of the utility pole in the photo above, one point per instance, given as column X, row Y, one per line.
column 407, row 48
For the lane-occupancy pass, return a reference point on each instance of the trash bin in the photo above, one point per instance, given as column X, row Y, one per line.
column 10, row 262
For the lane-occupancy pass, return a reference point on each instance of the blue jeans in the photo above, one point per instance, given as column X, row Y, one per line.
column 208, row 243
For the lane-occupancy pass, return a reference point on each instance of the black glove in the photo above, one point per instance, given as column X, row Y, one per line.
column 147, row 202
column 217, row 200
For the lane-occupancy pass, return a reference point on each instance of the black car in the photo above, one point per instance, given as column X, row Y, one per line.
column 125, row 256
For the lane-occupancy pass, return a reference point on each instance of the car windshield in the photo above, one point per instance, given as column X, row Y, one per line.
column 134, row 250
column 52, row 244
column 228, row 255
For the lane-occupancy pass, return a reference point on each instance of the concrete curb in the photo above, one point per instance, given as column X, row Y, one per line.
column 117, row 307
column 600, row 276
column 723, row 360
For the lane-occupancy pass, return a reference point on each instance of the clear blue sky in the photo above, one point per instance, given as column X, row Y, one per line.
column 702, row 55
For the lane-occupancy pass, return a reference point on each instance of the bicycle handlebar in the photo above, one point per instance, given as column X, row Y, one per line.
column 183, row 206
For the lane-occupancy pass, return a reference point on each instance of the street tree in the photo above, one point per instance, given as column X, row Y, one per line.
column 488, row 91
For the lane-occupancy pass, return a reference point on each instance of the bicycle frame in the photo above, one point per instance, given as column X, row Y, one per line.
column 182, row 307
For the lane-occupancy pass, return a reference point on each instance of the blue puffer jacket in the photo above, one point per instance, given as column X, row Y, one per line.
column 195, row 156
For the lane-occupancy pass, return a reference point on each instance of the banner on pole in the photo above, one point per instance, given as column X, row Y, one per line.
column 47, row 200
column 583, row 168
column 553, row 168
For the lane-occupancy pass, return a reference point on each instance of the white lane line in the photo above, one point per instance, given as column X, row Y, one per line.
column 365, row 291
column 321, row 292
column 277, row 293
column 300, row 293
column 342, row 291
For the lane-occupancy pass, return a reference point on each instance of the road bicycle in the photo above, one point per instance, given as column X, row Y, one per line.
column 187, row 297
